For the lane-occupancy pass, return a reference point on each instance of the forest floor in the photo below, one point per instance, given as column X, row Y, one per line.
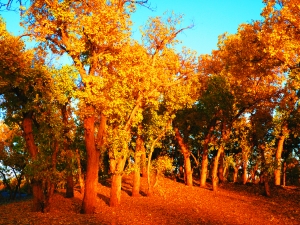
column 172, row 203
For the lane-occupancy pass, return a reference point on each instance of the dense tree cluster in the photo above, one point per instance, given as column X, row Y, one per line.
column 146, row 108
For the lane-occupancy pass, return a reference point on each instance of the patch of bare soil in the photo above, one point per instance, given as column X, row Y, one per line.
column 172, row 203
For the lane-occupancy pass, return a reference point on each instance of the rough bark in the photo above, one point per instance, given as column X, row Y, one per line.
column 90, row 194
column 187, row 161
column 278, row 160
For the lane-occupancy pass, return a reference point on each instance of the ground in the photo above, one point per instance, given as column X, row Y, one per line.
column 172, row 203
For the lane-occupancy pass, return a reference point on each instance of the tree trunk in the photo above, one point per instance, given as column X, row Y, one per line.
column 187, row 161
column 70, row 183
column 253, row 173
column 235, row 174
column 137, row 165
column 265, row 174
column 215, row 168
column 204, row 162
column 81, row 181
column 278, row 160
column 221, row 168
column 266, row 184
column 245, row 163
column 144, row 162
column 70, row 186
column 90, row 192
column 284, row 175
column 117, row 167
column 33, row 151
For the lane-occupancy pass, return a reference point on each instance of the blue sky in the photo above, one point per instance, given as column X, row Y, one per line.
column 210, row 17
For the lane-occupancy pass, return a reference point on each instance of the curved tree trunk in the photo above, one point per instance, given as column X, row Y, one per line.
column 90, row 194
column 187, row 161
column 37, row 189
column 278, row 160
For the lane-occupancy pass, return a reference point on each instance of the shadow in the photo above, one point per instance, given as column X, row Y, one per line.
column 104, row 198
column 142, row 193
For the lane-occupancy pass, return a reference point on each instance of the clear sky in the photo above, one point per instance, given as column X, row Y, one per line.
column 210, row 17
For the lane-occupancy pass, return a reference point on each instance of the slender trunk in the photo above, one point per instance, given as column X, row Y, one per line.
column 144, row 162
column 81, row 181
column 187, row 161
column 137, row 165
column 284, row 175
column 215, row 168
column 69, row 179
column 221, row 169
column 150, row 188
column 90, row 192
column 33, row 151
column 116, row 183
column 278, row 160
column 204, row 162
column 245, row 163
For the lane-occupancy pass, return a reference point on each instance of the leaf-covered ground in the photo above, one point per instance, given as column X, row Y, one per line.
column 172, row 203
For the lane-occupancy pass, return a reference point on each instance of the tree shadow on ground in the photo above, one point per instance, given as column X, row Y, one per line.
column 103, row 198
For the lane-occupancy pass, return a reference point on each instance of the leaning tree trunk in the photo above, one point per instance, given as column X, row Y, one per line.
column 37, row 189
column 90, row 191
column 187, row 161
column 278, row 160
